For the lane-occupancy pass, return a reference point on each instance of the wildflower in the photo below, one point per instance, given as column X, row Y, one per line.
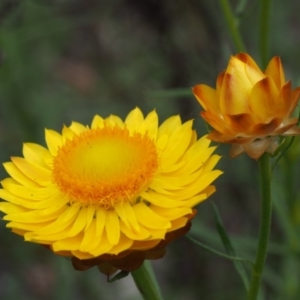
column 249, row 108
column 113, row 194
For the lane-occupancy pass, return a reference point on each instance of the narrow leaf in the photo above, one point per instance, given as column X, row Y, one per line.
column 228, row 246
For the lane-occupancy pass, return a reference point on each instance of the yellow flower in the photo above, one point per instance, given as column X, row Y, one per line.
column 249, row 108
column 113, row 194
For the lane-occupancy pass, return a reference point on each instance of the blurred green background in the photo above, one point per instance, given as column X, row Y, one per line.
column 64, row 60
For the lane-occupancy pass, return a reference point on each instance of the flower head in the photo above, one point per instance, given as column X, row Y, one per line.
column 249, row 108
column 113, row 194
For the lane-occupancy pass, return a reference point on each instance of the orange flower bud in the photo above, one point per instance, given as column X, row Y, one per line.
column 249, row 108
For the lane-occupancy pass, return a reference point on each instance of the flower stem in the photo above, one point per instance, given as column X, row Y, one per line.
column 232, row 26
column 146, row 282
column 265, row 223
column 264, row 32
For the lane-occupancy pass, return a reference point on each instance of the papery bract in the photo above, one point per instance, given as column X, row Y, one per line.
column 110, row 195
column 249, row 108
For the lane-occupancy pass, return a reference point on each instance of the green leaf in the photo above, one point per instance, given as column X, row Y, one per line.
column 228, row 246
column 216, row 252
column 118, row 276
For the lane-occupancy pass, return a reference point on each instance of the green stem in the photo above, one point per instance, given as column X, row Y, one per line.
column 211, row 250
column 232, row 26
column 265, row 223
column 264, row 32
column 146, row 282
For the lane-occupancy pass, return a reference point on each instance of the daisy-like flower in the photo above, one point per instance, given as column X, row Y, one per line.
column 112, row 194
column 249, row 108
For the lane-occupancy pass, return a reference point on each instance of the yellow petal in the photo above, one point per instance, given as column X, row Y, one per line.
column 144, row 245
column 158, row 233
column 77, row 127
column 113, row 120
column 127, row 215
column 150, row 125
column 28, row 203
column 10, row 208
column 148, row 218
column 177, row 144
column 71, row 243
column 142, row 234
column 89, row 241
column 26, row 226
column 103, row 246
column 162, row 142
column 194, row 160
column 169, row 126
column 97, row 122
column 100, row 221
column 198, row 185
column 134, row 120
column 53, row 140
column 179, row 223
column 64, row 222
column 80, row 222
column 71, row 212
column 171, row 213
column 159, row 199
column 35, row 172
column 36, row 154
column 32, row 193
column 210, row 163
column 67, row 133
column 112, row 227
column 35, row 216
column 90, row 214
column 79, row 254
column 172, row 183
column 123, row 244
column 19, row 176
column 193, row 201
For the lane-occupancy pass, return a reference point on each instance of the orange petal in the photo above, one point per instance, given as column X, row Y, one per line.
column 248, row 60
column 216, row 122
column 234, row 94
column 263, row 100
column 220, row 82
column 275, row 71
column 241, row 123
column 207, row 97
column 285, row 101
column 252, row 70
column 221, row 138
column 262, row 129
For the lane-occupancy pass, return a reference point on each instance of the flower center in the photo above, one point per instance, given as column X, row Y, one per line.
column 105, row 166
